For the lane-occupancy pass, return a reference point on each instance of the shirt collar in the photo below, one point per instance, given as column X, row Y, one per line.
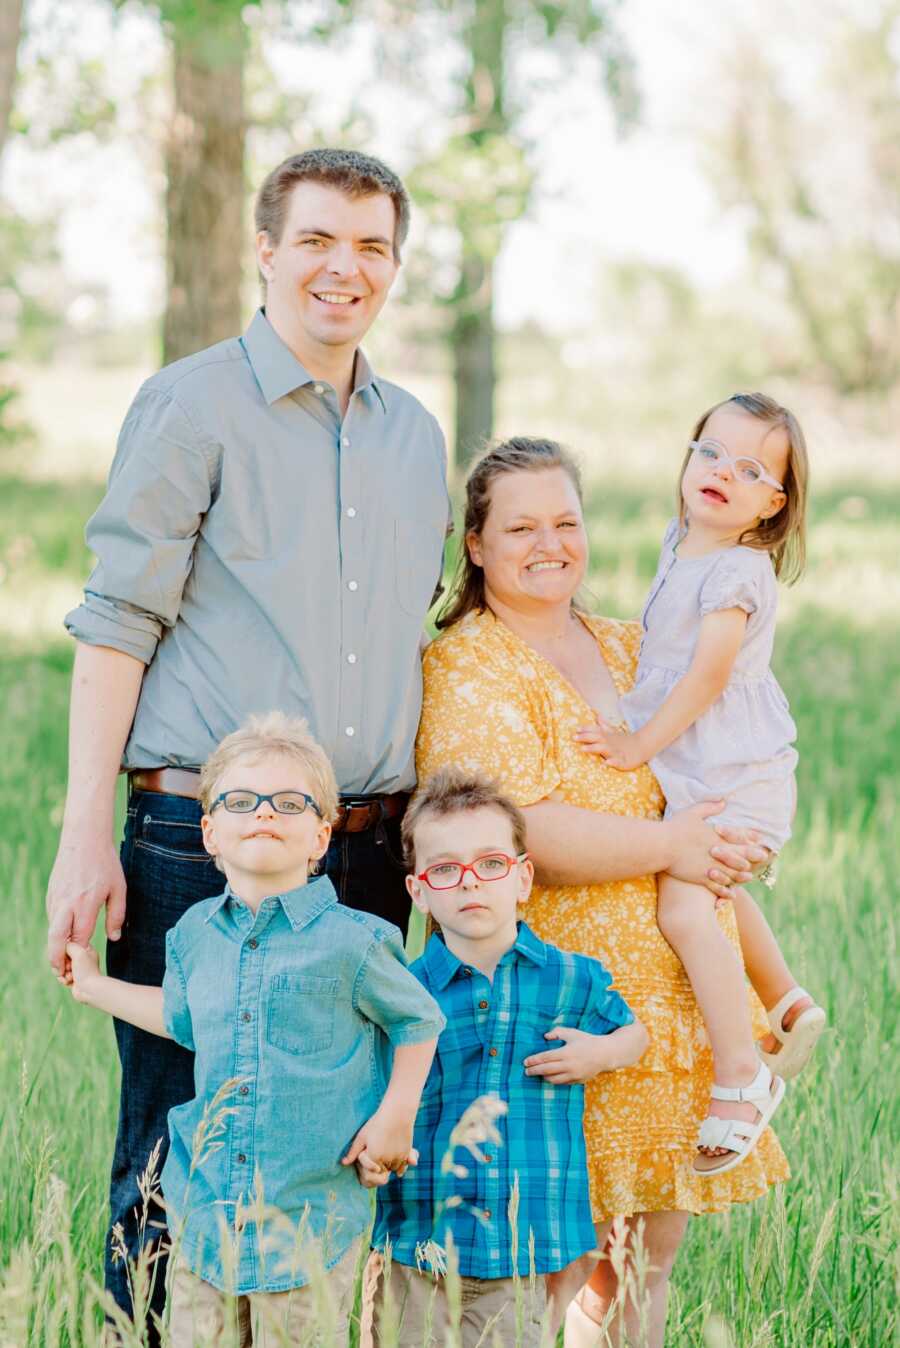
column 301, row 906
column 442, row 965
column 278, row 371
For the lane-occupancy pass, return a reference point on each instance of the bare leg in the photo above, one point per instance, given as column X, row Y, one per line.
column 638, row 1326
column 766, row 966
column 686, row 916
column 564, row 1286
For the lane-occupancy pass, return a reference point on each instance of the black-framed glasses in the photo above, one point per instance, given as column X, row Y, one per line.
column 449, row 874
column 283, row 802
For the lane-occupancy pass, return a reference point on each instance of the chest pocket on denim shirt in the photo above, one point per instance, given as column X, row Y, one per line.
column 301, row 1012
column 418, row 555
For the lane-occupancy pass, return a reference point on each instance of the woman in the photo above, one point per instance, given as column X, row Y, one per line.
column 514, row 677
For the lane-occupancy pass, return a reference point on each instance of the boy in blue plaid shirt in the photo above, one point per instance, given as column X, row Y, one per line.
column 505, row 993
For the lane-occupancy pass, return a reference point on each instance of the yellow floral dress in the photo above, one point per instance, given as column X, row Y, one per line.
column 495, row 706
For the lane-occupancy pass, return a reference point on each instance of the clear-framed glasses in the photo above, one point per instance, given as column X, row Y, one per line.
column 714, row 454
column 283, row 802
column 449, row 874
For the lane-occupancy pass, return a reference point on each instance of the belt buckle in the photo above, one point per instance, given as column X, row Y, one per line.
column 350, row 803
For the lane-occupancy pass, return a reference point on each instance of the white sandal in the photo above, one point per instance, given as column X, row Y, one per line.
column 798, row 1042
column 739, row 1136
column 580, row 1330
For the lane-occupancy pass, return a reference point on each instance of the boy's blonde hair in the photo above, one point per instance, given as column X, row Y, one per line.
column 264, row 737
column 783, row 536
column 453, row 791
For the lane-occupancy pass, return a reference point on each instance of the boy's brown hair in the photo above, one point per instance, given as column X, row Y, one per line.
column 453, row 791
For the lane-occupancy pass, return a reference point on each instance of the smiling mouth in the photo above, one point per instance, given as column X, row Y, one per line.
column 713, row 494
column 335, row 298
column 546, row 566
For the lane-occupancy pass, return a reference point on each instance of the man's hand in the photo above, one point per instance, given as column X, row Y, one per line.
column 386, row 1138
column 711, row 854
column 86, row 875
column 582, row 1056
column 620, row 748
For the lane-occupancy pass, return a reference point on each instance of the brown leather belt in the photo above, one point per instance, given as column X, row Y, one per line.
column 355, row 813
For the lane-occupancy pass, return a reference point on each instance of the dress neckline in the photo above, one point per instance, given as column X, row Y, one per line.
column 598, row 628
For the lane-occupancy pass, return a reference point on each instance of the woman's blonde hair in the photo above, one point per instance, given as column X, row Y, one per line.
column 517, row 455
column 273, row 735
column 784, row 535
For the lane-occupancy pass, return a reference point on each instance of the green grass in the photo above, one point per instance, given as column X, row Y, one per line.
column 812, row 1267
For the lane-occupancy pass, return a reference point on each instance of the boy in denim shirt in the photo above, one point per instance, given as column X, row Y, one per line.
column 292, row 1004
column 505, row 994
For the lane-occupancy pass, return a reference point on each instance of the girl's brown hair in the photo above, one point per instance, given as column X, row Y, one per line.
column 784, row 535
column 517, row 455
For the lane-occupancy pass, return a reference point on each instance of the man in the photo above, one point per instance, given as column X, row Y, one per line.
column 271, row 538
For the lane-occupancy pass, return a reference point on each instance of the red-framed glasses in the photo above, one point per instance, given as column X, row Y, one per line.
column 449, row 874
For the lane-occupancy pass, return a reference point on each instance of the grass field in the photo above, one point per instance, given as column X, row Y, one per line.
column 815, row 1265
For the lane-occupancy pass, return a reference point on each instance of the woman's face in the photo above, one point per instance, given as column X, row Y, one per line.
column 533, row 547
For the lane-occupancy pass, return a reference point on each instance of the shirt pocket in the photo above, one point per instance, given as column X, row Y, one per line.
column 301, row 1013
column 418, row 558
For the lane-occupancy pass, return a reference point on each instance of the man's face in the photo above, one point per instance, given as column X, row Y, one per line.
column 332, row 270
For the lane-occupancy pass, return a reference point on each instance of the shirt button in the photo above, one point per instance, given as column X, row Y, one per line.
column 467, row 971
column 245, row 1015
column 345, row 440
column 240, row 1158
column 483, row 1006
column 350, row 731
column 320, row 388
column 492, row 1052
column 351, row 659
column 352, row 585
column 487, row 1212
column 245, row 1090
column 253, row 943
column 351, row 511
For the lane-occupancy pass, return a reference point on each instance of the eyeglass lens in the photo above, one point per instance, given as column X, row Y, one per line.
column 285, row 802
column 746, row 469
column 448, row 874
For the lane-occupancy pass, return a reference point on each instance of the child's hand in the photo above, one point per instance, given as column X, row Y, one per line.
column 582, row 1056
column 82, row 967
column 371, row 1175
column 386, row 1138
column 620, row 748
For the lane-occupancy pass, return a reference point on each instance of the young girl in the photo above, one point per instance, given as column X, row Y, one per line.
column 708, row 714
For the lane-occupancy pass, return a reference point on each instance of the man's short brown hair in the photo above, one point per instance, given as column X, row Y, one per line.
column 453, row 791
column 354, row 174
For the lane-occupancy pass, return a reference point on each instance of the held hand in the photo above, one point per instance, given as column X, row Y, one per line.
column 386, row 1138
column 711, row 855
column 620, row 748
column 578, row 1061
column 85, row 876
column 83, row 968
column 371, row 1175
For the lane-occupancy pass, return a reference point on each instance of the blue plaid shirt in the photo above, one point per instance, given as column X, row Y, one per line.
column 491, row 1028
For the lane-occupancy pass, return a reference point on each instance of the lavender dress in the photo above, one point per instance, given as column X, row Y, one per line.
column 741, row 749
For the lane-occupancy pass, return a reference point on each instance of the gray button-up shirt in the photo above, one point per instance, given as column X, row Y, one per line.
column 256, row 551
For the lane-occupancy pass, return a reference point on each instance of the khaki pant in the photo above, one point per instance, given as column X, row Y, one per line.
column 419, row 1307
column 203, row 1317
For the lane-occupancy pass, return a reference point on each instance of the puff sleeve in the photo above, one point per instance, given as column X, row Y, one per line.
column 738, row 581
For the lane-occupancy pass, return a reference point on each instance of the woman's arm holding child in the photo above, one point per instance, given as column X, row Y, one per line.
column 718, row 643
column 135, row 1003
column 585, row 1055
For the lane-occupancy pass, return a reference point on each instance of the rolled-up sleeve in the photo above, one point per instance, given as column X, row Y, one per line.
column 176, row 1012
column 391, row 997
column 143, row 533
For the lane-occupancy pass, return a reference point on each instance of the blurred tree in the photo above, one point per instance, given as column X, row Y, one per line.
column 823, row 209
column 480, row 181
column 10, row 31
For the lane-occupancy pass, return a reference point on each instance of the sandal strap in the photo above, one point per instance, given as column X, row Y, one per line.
column 777, row 1014
column 760, row 1088
column 732, row 1134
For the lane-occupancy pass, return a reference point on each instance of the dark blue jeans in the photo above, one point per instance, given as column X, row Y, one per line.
column 167, row 870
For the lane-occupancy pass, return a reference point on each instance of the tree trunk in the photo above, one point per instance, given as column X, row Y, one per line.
column 10, row 31
column 205, row 191
column 472, row 333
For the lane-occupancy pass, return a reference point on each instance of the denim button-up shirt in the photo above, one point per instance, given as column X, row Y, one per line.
column 296, row 1007
column 491, row 1028
column 257, row 548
